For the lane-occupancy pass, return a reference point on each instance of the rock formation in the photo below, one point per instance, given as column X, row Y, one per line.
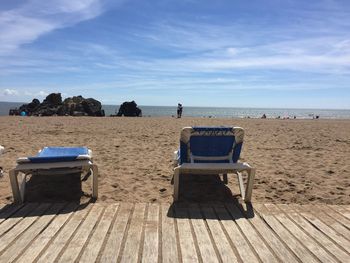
column 129, row 109
column 53, row 105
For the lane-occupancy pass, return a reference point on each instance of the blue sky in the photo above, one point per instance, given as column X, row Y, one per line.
column 273, row 53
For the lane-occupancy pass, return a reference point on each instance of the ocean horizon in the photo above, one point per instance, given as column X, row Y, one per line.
column 217, row 112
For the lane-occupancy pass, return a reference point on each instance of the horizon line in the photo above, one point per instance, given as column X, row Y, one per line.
column 190, row 106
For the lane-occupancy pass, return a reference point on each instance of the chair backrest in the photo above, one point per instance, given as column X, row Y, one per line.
column 211, row 144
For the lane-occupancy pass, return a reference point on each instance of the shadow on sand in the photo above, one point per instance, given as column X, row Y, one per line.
column 46, row 195
column 207, row 197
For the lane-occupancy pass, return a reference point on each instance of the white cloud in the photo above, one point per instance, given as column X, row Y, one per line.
column 10, row 92
column 31, row 20
column 42, row 93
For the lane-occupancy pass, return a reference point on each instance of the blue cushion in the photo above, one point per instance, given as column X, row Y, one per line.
column 212, row 145
column 59, row 154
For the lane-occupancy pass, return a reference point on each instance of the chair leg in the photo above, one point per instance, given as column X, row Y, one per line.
column 94, row 181
column 250, row 182
column 224, row 178
column 22, row 186
column 241, row 185
column 176, row 183
column 15, row 188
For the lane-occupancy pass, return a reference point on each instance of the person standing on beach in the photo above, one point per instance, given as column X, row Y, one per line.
column 179, row 110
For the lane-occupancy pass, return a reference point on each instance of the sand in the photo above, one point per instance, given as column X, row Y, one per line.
column 297, row 161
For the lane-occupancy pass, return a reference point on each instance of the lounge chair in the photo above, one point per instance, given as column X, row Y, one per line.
column 212, row 150
column 53, row 160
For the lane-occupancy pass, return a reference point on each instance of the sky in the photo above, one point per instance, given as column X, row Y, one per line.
column 271, row 53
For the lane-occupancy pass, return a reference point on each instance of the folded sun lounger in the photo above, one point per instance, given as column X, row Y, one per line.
column 53, row 160
column 212, row 150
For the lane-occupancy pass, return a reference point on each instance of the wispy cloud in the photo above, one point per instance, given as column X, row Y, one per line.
column 23, row 92
column 10, row 92
column 34, row 18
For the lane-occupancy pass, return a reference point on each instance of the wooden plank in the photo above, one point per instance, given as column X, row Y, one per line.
column 318, row 211
column 19, row 229
column 338, row 217
column 205, row 245
column 272, row 240
column 226, row 252
column 3, row 209
column 299, row 250
column 8, row 211
column 258, row 244
column 74, row 247
column 151, row 242
column 92, row 250
column 341, row 210
column 239, row 242
column 186, row 240
column 63, row 236
column 114, row 243
column 30, row 234
column 133, row 239
column 289, row 232
column 319, row 236
column 169, row 243
column 305, row 239
column 331, row 233
column 13, row 215
column 45, row 237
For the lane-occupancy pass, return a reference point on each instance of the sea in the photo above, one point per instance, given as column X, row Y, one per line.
column 217, row 112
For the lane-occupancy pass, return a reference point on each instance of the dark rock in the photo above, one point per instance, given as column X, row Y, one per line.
column 129, row 109
column 93, row 107
column 79, row 113
column 53, row 105
column 90, row 107
column 14, row 111
column 71, row 105
column 34, row 104
column 30, row 107
column 53, row 99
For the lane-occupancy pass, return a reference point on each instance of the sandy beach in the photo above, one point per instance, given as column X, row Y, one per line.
column 297, row 161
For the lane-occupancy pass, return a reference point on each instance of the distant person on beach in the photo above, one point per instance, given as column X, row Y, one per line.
column 179, row 110
column 264, row 116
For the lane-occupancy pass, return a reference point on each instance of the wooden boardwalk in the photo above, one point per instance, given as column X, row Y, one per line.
column 123, row 232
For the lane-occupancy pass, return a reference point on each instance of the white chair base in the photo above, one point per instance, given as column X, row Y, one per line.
column 18, row 188
column 217, row 168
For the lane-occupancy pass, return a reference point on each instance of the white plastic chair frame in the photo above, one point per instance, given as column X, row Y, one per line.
column 215, row 168
column 25, row 168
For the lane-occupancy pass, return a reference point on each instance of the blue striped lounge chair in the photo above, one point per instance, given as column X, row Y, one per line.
column 53, row 160
column 212, row 150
